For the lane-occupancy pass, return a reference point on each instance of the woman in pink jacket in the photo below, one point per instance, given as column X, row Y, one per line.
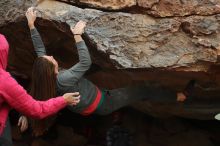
column 12, row 95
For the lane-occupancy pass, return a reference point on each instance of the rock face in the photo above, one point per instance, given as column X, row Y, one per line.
column 140, row 41
column 105, row 4
column 127, row 48
column 157, row 8
column 164, row 8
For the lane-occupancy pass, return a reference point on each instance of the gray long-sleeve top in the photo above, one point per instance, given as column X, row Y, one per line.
column 72, row 80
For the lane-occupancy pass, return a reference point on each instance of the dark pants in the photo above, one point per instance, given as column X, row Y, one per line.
column 117, row 98
column 6, row 138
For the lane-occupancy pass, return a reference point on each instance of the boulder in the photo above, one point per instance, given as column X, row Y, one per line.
column 104, row 4
column 168, row 8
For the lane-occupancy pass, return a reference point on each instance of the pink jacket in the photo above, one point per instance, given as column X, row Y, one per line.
column 12, row 95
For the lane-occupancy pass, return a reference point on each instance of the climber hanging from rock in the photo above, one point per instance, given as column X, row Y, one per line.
column 93, row 99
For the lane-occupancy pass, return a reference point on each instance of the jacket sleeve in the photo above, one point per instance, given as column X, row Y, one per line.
column 38, row 43
column 18, row 98
column 72, row 75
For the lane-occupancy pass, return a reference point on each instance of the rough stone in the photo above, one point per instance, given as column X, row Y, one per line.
column 140, row 41
column 165, row 8
column 105, row 4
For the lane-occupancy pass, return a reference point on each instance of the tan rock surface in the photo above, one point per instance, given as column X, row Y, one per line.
column 165, row 8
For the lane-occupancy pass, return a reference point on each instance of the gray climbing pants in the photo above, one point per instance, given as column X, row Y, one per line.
column 118, row 98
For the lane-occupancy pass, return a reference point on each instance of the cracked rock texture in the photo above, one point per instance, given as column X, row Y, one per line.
column 141, row 41
column 105, row 4
column 149, row 40
column 164, row 8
